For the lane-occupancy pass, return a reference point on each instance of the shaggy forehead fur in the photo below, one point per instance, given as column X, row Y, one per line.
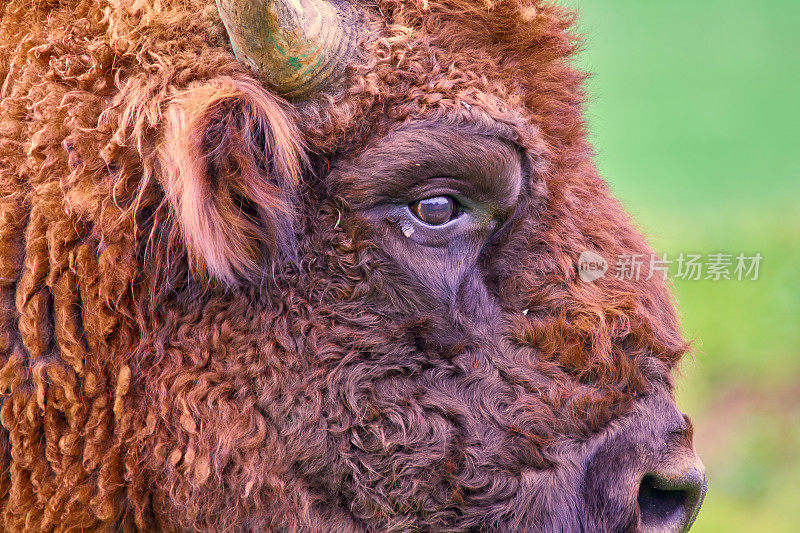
column 174, row 357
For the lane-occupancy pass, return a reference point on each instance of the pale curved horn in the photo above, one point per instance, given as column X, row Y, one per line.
column 299, row 46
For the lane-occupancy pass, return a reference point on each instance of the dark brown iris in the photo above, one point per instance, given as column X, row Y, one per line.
column 434, row 211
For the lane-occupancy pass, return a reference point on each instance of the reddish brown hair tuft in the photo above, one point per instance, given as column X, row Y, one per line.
column 231, row 159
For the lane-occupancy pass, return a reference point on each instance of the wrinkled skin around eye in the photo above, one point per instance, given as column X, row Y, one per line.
column 432, row 197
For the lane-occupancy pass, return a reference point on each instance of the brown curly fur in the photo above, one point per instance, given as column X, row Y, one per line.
column 173, row 357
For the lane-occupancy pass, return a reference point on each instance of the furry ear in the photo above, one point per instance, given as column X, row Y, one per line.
column 231, row 161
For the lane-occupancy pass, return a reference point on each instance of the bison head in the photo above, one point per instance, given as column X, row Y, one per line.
column 358, row 310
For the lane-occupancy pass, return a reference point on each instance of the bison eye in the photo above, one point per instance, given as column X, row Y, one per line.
column 435, row 211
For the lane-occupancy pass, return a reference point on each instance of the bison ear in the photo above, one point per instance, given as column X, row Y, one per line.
column 231, row 161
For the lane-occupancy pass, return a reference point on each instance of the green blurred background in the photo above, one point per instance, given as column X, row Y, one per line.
column 695, row 111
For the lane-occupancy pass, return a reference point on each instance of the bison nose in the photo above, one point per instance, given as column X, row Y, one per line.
column 670, row 504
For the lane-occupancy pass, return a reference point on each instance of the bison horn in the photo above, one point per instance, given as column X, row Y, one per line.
column 298, row 46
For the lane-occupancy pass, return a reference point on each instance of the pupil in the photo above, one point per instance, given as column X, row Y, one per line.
column 434, row 211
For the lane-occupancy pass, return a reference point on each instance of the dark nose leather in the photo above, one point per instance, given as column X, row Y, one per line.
column 669, row 504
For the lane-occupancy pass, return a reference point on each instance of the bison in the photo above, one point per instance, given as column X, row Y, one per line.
column 312, row 265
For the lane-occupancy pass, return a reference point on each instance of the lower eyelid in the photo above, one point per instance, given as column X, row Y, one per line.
column 403, row 218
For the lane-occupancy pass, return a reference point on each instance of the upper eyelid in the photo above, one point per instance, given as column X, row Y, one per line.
column 391, row 170
column 460, row 190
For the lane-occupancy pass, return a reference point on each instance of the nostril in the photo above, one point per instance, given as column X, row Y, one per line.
column 659, row 506
column 670, row 504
